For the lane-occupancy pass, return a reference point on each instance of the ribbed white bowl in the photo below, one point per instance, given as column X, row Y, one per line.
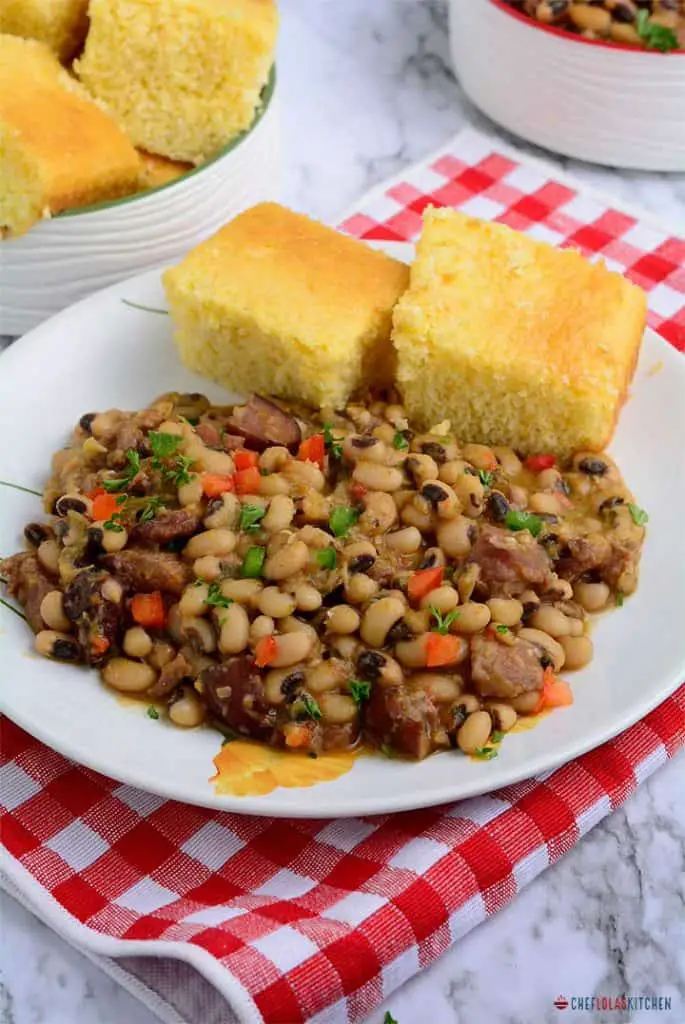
column 588, row 99
column 64, row 259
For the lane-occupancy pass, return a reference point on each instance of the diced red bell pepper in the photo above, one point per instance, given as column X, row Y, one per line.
column 99, row 644
column 265, row 651
column 556, row 693
column 248, row 481
column 423, row 581
column 536, row 463
column 358, row 491
column 245, row 459
column 148, row 610
column 442, row 649
column 313, row 449
column 103, row 505
column 216, row 484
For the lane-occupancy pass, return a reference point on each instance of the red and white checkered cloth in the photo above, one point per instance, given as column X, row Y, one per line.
column 320, row 921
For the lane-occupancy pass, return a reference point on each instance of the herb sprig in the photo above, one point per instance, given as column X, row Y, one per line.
column 443, row 622
column 332, row 444
column 129, row 474
column 215, row 598
column 655, row 37
column 360, row 690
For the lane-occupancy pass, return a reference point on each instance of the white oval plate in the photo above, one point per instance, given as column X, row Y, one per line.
column 101, row 354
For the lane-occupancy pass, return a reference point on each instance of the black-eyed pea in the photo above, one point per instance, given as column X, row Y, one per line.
column 287, row 561
column 441, row 498
column 52, row 612
column 207, row 568
column 385, row 433
column 466, row 705
column 526, row 703
column 280, row 683
column 307, row 598
column 190, row 493
column 548, row 480
column 474, row 734
column 219, row 463
column 507, row 611
column 275, row 483
column 466, row 583
column 222, row 512
column 344, row 645
column 413, row 653
column 342, row 619
column 550, row 620
column 187, row 711
column 128, row 676
column 358, row 549
column 235, row 629
column 327, row 675
column 137, row 642
column 418, row 619
column 578, row 651
column 402, row 498
column 304, row 475
column 455, row 536
column 472, row 617
column 390, row 672
column 194, row 600
column 470, row 492
column 590, row 19
column 433, row 558
column 337, row 708
column 443, row 599
column 503, row 716
column 112, row 590
column 316, row 508
column 380, row 512
column 50, row 643
column 291, row 624
column 114, row 540
column 199, row 633
column 276, row 603
column 547, row 643
column 160, row 655
column 451, row 471
column 405, row 541
column 291, row 648
column 274, row 458
column 442, row 689
column 243, row 591
column 261, row 627
column 48, row 556
column 421, row 467
column 280, row 514
column 508, row 460
column 412, row 516
column 174, row 624
column 379, row 618
column 360, row 588
column 591, row 596
column 480, row 456
column 364, row 448
column 217, row 542
column 545, row 504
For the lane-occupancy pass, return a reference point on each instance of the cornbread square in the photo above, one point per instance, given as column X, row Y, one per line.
column 514, row 342
column 58, row 150
column 279, row 304
column 155, row 171
column 182, row 77
column 60, row 24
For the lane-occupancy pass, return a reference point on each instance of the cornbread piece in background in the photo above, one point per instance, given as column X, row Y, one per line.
column 60, row 24
column 158, row 170
column 279, row 304
column 513, row 341
column 58, row 149
column 182, row 77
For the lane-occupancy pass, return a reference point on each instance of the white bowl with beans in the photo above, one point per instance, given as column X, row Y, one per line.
column 588, row 98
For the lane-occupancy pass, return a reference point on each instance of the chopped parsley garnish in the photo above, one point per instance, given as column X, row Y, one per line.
column 179, row 474
column 342, row 519
column 215, row 598
column 310, row 706
column 443, row 622
column 400, row 442
column 486, row 477
column 150, row 509
column 501, row 629
column 485, row 753
column 332, row 444
column 326, row 557
column 523, row 521
column 250, row 517
column 253, row 563
column 163, row 445
column 130, row 473
column 619, row 599
column 361, row 691
column 389, row 1019
column 655, row 37
column 638, row 515
column 113, row 524
column 497, row 736
column 152, row 712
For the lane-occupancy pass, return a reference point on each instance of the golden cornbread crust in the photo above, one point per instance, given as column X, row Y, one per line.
column 182, row 77
column 60, row 24
column 513, row 341
column 58, row 149
column 158, row 170
column 279, row 304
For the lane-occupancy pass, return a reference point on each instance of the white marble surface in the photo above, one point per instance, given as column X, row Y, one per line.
column 367, row 88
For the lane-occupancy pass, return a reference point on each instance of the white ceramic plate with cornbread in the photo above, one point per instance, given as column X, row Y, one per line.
column 110, row 353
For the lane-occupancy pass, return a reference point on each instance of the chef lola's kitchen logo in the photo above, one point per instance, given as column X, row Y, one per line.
column 614, row 1003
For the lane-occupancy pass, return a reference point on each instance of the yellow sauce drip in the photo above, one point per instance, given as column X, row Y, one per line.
column 248, row 768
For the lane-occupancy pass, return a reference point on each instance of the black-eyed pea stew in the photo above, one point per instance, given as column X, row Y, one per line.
column 649, row 24
column 318, row 581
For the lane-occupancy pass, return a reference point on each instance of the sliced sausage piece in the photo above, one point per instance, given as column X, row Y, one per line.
column 504, row 670
column 184, row 522
column 404, row 719
column 509, row 562
column 149, row 570
column 96, row 618
column 262, row 423
column 234, row 692
column 27, row 582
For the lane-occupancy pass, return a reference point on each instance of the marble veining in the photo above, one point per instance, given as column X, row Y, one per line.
column 366, row 88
